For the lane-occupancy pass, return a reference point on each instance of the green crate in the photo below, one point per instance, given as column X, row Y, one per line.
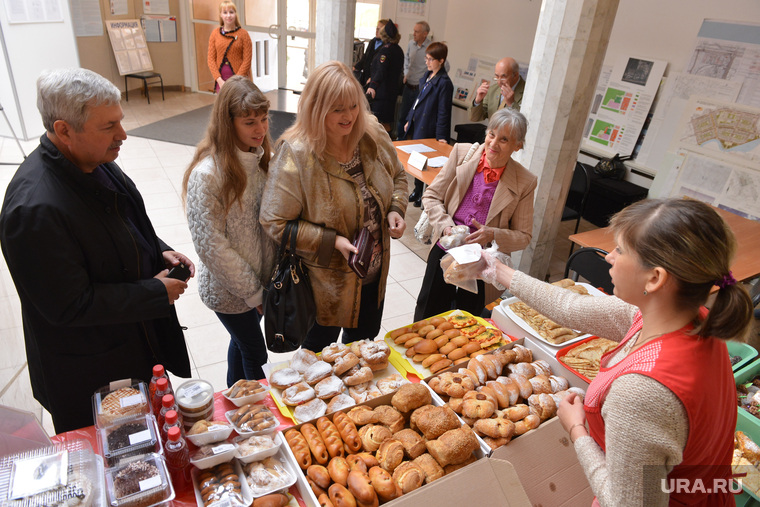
column 748, row 424
column 747, row 353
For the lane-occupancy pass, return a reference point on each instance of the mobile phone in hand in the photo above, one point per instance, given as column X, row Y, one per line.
column 179, row 272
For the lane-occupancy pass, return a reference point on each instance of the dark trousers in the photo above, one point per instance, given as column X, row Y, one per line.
column 370, row 315
column 408, row 96
column 247, row 351
column 436, row 296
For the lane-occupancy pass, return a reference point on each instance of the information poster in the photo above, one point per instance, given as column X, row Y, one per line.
column 129, row 46
column 620, row 108
column 39, row 11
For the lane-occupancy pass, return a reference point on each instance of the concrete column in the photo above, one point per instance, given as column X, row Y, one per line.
column 568, row 52
column 335, row 31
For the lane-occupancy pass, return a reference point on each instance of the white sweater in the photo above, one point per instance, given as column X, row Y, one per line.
column 237, row 256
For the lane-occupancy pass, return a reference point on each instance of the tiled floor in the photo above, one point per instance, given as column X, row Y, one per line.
column 157, row 168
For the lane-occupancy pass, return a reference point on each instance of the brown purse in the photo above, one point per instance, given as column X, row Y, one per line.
column 365, row 244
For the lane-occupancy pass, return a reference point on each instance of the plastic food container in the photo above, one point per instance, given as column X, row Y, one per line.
column 234, row 393
column 217, row 432
column 52, row 475
column 189, row 419
column 256, row 448
column 743, row 350
column 211, row 490
column 130, row 437
column 269, row 475
column 195, row 399
column 211, row 455
column 119, row 401
column 262, row 425
column 141, row 482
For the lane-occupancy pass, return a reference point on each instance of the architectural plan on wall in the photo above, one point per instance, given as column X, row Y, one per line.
column 678, row 89
column 730, row 51
column 620, row 109
column 726, row 185
column 721, row 130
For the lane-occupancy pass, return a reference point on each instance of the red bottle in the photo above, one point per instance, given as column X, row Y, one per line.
column 162, row 389
column 178, row 459
column 167, row 403
column 173, row 419
column 158, row 372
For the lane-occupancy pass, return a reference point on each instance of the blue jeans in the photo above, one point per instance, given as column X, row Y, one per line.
column 247, row 351
column 370, row 316
column 407, row 101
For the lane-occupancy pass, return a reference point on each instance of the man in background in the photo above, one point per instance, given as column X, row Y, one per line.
column 362, row 68
column 96, row 301
column 506, row 91
column 414, row 69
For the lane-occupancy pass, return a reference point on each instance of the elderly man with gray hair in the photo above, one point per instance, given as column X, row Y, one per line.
column 506, row 90
column 93, row 278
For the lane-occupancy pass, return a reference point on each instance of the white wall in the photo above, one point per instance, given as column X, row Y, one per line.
column 31, row 48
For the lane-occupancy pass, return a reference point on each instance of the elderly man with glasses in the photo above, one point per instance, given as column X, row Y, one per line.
column 506, row 90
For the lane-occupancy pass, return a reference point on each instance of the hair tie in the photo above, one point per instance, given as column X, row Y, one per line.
column 726, row 281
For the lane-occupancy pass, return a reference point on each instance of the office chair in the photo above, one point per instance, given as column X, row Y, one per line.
column 590, row 264
column 577, row 196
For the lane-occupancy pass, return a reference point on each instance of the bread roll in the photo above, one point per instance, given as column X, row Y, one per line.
column 411, row 396
column 384, row 485
column 348, row 432
column 434, row 421
column 340, row 496
column 359, row 485
column 316, row 444
column 454, row 446
column 430, row 466
column 319, row 475
column 338, row 469
column 409, row 476
column 299, row 446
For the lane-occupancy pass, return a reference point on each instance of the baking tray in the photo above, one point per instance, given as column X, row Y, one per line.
column 504, row 305
column 398, row 352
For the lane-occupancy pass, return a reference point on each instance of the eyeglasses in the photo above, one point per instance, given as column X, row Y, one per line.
column 429, row 58
column 501, row 78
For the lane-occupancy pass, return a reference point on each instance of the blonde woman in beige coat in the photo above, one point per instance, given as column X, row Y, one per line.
column 490, row 193
column 336, row 171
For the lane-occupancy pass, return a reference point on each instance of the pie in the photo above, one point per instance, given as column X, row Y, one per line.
column 585, row 358
column 488, row 337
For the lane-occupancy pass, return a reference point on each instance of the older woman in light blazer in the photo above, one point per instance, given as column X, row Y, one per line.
column 490, row 193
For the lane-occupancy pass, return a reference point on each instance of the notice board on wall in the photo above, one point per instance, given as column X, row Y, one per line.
column 129, row 46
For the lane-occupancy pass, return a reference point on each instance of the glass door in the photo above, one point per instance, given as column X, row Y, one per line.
column 259, row 17
column 294, row 38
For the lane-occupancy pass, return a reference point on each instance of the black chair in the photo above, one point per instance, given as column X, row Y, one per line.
column 590, row 264
column 147, row 79
column 470, row 132
column 577, row 196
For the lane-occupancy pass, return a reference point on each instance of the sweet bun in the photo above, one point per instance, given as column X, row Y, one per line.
column 340, row 402
column 272, row 500
column 390, row 418
column 373, row 435
column 348, row 432
column 316, row 372
column 413, row 442
column 391, row 383
column 359, row 485
column 329, row 387
column 302, row 359
column 454, row 446
column 383, row 483
column 362, row 415
column 310, row 410
column 324, row 500
column 344, row 363
column 340, row 496
column 364, row 374
column 319, row 475
column 390, row 454
column 409, row 476
column 333, row 351
column 433, row 421
column 284, row 378
column 411, row 396
column 298, row 394
column 430, row 466
column 355, row 462
column 338, row 469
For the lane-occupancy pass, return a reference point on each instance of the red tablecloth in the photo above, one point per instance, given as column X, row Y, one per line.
column 186, row 497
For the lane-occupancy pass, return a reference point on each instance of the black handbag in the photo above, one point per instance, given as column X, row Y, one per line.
column 289, row 308
column 612, row 168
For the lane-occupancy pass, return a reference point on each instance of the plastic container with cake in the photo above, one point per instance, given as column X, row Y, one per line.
column 128, row 438
column 119, row 401
column 195, row 399
column 139, row 482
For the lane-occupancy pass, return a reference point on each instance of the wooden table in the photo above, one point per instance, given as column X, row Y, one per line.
column 429, row 174
column 746, row 263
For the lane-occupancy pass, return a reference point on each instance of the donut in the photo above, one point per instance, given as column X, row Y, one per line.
column 284, row 378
